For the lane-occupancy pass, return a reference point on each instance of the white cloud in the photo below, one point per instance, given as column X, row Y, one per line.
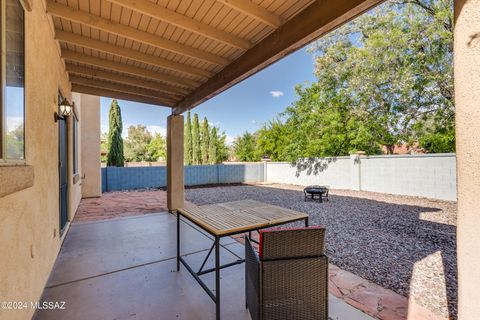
column 276, row 93
column 253, row 121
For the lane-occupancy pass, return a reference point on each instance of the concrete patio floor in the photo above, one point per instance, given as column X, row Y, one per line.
column 125, row 268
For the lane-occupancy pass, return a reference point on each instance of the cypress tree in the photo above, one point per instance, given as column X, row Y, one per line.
column 188, row 141
column 205, row 140
column 115, row 141
column 212, row 148
column 196, row 150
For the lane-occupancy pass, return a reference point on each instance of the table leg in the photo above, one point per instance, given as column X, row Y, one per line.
column 320, row 198
column 217, row 277
column 178, row 241
column 306, row 222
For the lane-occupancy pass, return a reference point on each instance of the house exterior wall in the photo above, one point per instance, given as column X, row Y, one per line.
column 467, row 97
column 74, row 182
column 90, row 146
column 29, row 218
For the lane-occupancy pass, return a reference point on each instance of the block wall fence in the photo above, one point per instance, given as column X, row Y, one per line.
column 432, row 176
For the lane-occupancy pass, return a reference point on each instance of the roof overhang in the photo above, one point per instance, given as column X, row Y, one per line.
column 180, row 53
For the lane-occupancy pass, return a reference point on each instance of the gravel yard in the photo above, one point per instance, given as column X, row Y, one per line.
column 406, row 244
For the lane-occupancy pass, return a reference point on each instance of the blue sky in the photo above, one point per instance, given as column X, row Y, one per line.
column 241, row 108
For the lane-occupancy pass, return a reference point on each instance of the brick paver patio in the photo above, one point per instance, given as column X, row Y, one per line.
column 122, row 204
column 362, row 294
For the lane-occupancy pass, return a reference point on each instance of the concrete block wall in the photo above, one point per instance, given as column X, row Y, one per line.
column 116, row 178
column 430, row 175
column 333, row 172
column 131, row 178
column 248, row 172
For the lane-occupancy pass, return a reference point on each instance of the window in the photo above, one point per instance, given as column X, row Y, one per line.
column 12, row 93
column 75, row 143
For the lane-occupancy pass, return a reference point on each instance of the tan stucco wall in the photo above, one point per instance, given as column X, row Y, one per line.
column 29, row 219
column 467, row 101
column 91, row 166
column 74, row 185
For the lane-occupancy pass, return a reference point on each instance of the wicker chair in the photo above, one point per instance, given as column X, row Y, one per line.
column 288, row 279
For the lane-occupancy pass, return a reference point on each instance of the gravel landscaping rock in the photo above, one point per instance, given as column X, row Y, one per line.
column 406, row 244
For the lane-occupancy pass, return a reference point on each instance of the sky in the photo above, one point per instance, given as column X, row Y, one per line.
column 244, row 107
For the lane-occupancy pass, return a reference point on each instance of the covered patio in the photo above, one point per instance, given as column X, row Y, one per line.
column 174, row 54
column 126, row 268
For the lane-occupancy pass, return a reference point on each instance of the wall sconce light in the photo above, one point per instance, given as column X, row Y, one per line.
column 65, row 108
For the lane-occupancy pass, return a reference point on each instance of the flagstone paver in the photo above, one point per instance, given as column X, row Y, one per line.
column 122, row 204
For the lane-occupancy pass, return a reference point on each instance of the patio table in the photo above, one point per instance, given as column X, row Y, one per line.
column 227, row 219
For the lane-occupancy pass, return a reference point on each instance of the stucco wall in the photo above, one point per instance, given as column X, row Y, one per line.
column 467, row 97
column 29, row 219
column 90, row 145
column 74, row 183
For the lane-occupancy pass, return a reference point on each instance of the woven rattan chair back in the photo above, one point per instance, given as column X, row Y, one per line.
column 289, row 280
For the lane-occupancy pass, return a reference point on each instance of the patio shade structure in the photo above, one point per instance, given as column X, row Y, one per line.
column 178, row 54
column 181, row 54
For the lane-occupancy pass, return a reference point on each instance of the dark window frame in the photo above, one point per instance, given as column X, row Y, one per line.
column 3, row 79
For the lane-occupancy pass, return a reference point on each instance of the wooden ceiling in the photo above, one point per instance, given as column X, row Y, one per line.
column 179, row 53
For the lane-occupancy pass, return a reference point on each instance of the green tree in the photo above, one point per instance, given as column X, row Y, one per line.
column 136, row 143
column 212, row 147
column 383, row 79
column 205, row 140
column 196, row 141
column 321, row 123
column 244, row 147
column 188, row 141
column 115, row 142
column 157, row 148
column 395, row 65
column 103, row 147
column 15, row 143
column 222, row 149
column 272, row 139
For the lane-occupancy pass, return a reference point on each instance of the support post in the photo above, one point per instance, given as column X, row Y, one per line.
column 175, row 184
column 467, row 97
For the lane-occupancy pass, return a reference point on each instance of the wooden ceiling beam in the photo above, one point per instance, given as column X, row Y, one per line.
column 121, row 88
column 96, row 22
column 102, row 46
column 116, row 95
column 317, row 19
column 259, row 13
column 120, row 78
column 155, row 11
column 124, row 68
